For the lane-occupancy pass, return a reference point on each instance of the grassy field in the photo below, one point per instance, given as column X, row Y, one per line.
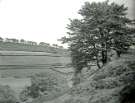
column 31, row 48
column 24, row 64
column 31, row 58
column 17, row 84
column 16, row 67
column 17, row 79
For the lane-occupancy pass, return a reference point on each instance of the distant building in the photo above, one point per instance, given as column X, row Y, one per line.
column 8, row 40
column 12, row 40
column 15, row 40
column 44, row 44
column 31, row 43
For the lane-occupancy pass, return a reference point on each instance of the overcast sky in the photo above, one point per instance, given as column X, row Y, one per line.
column 41, row 20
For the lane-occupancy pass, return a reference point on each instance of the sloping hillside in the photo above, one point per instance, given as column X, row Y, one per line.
column 106, row 85
column 6, row 46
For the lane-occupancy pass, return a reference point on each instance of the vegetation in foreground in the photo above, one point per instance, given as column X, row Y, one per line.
column 111, row 84
column 47, row 85
column 7, row 95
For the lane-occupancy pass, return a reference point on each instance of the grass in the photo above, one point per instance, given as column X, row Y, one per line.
column 18, row 62
column 30, row 58
column 7, row 95
column 16, row 84
column 23, row 64
column 16, row 67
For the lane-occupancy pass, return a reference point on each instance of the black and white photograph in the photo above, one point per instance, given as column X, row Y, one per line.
column 67, row 51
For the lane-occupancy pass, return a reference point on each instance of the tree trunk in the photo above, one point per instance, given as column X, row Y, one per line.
column 118, row 53
column 97, row 61
column 104, row 57
column 77, row 76
column 104, row 48
column 98, row 65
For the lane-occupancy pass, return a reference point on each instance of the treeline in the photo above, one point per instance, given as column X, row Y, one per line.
column 22, row 41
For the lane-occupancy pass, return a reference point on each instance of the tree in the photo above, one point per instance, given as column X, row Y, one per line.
column 103, row 27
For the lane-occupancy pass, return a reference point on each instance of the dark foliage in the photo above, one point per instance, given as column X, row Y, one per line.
column 7, row 95
column 103, row 27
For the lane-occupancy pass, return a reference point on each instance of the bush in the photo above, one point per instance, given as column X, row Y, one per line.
column 48, row 84
column 7, row 95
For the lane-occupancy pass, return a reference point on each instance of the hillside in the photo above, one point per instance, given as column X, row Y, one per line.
column 17, row 67
column 106, row 85
column 7, row 46
column 15, row 57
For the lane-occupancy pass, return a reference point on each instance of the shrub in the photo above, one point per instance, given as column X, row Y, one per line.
column 7, row 95
column 43, row 84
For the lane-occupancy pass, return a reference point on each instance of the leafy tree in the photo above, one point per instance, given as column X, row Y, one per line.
column 103, row 27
